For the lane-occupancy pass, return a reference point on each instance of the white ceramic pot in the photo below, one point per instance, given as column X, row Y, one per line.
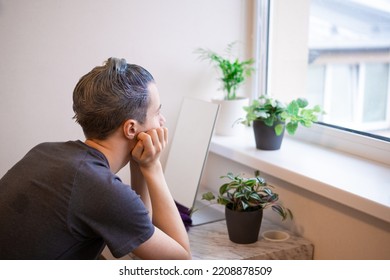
column 229, row 115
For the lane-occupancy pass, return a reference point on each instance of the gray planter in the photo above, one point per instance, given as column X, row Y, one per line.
column 243, row 227
column 265, row 136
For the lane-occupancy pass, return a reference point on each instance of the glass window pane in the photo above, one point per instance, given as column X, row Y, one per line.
column 350, row 41
column 316, row 84
column 376, row 92
column 340, row 90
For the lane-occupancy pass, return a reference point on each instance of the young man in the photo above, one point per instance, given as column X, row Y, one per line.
column 64, row 201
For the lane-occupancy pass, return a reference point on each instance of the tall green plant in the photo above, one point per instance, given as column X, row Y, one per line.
column 233, row 71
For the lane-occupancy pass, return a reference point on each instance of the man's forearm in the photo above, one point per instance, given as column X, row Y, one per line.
column 138, row 184
column 165, row 213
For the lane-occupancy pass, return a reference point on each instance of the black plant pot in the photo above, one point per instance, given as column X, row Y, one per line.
column 265, row 136
column 243, row 227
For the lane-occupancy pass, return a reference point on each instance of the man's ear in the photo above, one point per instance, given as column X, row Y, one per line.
column 130, row 129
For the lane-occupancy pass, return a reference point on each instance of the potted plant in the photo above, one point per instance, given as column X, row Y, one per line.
column 244, row 200
column 271, row 117
column 233, row 74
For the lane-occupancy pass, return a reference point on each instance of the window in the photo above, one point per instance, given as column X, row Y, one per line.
column 334, row 53
column 351, row 86
column 349, row 55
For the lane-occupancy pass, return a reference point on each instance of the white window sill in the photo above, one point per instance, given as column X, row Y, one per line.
column 350, row 180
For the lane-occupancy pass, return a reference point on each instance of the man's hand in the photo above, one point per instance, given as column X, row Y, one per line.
column 150, row 144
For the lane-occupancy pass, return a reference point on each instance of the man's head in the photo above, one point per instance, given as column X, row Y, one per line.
column 106, row 97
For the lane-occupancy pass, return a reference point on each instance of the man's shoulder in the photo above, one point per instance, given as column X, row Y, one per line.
column 71, row 144
column 69, row 149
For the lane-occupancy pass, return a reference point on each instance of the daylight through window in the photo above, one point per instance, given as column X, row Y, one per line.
column 348, row 65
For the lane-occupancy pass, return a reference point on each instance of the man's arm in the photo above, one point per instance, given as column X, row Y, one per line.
column 170, row 239
column 138, row 184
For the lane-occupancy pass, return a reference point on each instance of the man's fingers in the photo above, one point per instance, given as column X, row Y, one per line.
column 150, row 144
column 138, row 150
column 146, row 139
column 162, row 133
column 165, row 130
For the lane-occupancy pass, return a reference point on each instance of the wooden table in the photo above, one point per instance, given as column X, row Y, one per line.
column 211, row 242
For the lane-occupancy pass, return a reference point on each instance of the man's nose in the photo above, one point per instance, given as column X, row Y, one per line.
column 162, row 120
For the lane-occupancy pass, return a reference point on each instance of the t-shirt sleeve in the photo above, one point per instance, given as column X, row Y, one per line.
column 106, row 208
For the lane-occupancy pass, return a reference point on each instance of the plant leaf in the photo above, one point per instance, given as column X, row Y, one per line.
column 208, row 196
column 291, row 127
column 223, row 189
column 279, row 129
column 293, row 108
column 280, row 210
column 302, row 102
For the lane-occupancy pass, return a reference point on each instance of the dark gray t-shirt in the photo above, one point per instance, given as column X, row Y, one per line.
column 61, row 201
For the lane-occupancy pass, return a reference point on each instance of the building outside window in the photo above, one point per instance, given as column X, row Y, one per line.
column 349, row 56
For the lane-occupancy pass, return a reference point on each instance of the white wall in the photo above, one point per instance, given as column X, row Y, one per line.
column 47, row 45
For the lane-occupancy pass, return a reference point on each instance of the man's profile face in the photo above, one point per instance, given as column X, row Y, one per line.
column 154, row 118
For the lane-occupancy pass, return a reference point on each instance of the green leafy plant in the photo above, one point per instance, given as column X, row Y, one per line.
column 233, row 71
column 248, row 194
column 291, row 115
